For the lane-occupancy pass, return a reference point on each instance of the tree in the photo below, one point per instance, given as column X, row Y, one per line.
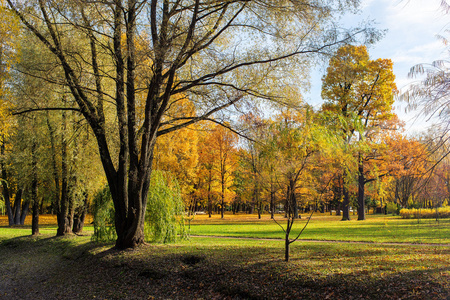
column 177, row 152
column 361, row 91
column 218, row 159
column 68, row 170
column 164, row 221
column 206, row 180
column 296, row 139
column 195, row 48
column 258, row 169
column 9, row 50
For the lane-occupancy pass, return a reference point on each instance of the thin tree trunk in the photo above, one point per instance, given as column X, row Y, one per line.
column 209, row 194
column 361, row 203
column 62, row 216
column 34, row 191
column 5, row 186
column 222, row 209
column 286, row 247
column 272, row 203
column 56, row 200
column 346, row 204
column 17, row 206
column 24, row 212
column 35, row 217
column 293, row 199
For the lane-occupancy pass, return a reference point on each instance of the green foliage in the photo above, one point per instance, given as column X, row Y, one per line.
column 393, row 208
column 164, row 220
column 104, row 228
column 2, row 205
column 422, row 213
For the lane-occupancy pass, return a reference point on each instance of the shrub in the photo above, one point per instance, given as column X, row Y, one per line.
column 414, row 213
column 2, row 205
column 104, row 228
column 393, row 208
column 164, row 219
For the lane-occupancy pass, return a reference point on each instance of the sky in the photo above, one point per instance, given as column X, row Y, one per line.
column 411, row 39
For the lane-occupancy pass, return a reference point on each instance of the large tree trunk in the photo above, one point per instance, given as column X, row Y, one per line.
column 17, row 206
column 361, row 203
column 130, row 211
column 130, row 226
column 24, row 212
column 80, row 216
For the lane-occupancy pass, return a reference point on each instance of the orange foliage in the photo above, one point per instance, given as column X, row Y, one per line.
column 43, row 220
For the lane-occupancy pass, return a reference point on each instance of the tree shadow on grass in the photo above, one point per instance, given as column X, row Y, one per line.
column 189, row 271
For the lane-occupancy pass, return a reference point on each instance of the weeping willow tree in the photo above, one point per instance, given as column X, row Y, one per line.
column 103, row 210
column 164, row 218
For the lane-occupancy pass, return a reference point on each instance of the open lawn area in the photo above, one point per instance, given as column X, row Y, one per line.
column 376, row 228
column 73, row 267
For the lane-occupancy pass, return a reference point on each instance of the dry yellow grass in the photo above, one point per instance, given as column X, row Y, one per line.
column 413, row 213
column 43, row 220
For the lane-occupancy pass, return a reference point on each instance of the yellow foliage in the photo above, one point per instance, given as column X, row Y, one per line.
column 176, row 152
column 217, row 160
column 424, row 213
column 9, row 31
column 358, row 87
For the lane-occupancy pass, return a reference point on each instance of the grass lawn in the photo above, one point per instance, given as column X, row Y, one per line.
column 377, row 228
column 227, row 268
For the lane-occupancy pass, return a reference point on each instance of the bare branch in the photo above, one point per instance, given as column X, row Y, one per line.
column 45, row 109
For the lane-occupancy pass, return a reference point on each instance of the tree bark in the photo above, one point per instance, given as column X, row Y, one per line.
column 209, row 193
column 34, row 191
column 80, row 216
column 5, row 186
column 272, row 195
column 24, row 212
column 62, row 216
column 361, row 202
column 222, row 194
column 286, row 246
column 346, row 204
column 55, row 172
column 292, row 199
column 17, row 206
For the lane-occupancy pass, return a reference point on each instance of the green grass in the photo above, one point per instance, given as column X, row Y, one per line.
column 204, row 268
column 73, row 267
column 374, row 229
column 23, row 231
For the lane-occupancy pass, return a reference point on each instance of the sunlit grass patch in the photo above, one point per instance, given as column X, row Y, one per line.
column 377, row 228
